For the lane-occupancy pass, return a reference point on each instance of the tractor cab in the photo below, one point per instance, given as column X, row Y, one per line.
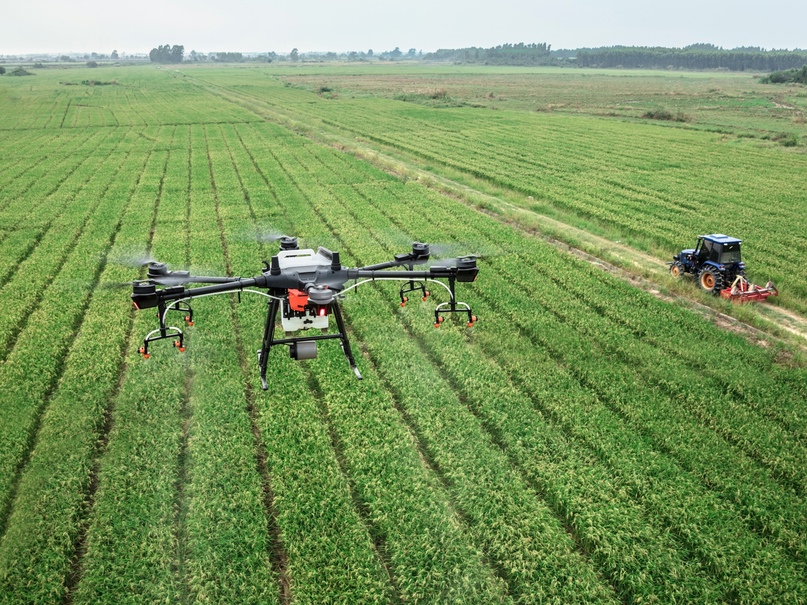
column 718, row 249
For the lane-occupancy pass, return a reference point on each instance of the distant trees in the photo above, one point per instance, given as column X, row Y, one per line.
column 92, row 64
column 504, row 54
column 2, row 70
column 294, row 55
column 114, row 55
column 696, row 56
column 228, row 57
column 167, row 54
column 791, row 76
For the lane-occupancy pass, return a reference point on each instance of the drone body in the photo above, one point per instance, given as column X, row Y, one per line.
column 303, row 286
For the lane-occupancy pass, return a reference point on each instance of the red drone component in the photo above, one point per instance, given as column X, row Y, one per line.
column 298, row 299
column 323, row 311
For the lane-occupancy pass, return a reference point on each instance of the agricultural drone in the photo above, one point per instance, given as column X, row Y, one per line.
column 304, row 286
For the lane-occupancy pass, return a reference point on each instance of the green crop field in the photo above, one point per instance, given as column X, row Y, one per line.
column 586, row 441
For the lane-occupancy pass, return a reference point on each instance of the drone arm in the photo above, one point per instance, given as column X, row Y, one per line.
column 202, row 279
column 146, row 295
column 401, row 260
column 464, row 271
column 379, row 266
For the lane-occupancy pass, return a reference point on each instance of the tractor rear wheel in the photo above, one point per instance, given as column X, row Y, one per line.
column 677, row 269
column 711, row 280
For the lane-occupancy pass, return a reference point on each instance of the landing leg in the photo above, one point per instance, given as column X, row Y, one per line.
column 266, row 345
column 337, row 314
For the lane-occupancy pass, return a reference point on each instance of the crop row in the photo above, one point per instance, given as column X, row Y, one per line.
column 341, row 226
column 35, row 274
column 325, row 538
column 610, row 176
column 757, row 486
column 224, row 519
column 38, row 550
column 421, row 214
column 662, row 556
column 130, row 544
column 35, row 362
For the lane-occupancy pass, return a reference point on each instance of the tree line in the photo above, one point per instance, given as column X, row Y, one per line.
column 697, row 56
column 504, row 54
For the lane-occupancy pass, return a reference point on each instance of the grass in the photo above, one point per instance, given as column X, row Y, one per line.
column 584, row 442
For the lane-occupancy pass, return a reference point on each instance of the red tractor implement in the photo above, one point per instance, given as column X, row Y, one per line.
column 742, row 291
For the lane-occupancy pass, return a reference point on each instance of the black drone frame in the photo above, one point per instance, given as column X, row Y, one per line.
column 321, row 283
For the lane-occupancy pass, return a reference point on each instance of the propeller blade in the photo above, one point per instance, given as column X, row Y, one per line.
column 112, row 285
column 270, row 236
column 134, row 259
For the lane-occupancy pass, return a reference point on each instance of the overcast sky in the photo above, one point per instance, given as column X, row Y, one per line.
column 136, row 26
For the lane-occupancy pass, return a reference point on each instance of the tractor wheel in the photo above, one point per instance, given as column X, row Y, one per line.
column 677, row 269
column 711, row 280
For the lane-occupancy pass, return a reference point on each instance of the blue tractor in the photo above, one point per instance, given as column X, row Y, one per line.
column 715, row 262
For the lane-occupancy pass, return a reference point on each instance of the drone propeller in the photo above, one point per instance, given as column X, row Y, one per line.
column 134, row 259
column 270, row 236
column 460, row 262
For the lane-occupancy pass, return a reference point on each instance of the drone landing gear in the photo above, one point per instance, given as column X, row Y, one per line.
column 303, row 347
column 164, row 331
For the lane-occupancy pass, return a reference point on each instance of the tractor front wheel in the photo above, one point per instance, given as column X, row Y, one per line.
column 677, row 269
column 711, row 280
